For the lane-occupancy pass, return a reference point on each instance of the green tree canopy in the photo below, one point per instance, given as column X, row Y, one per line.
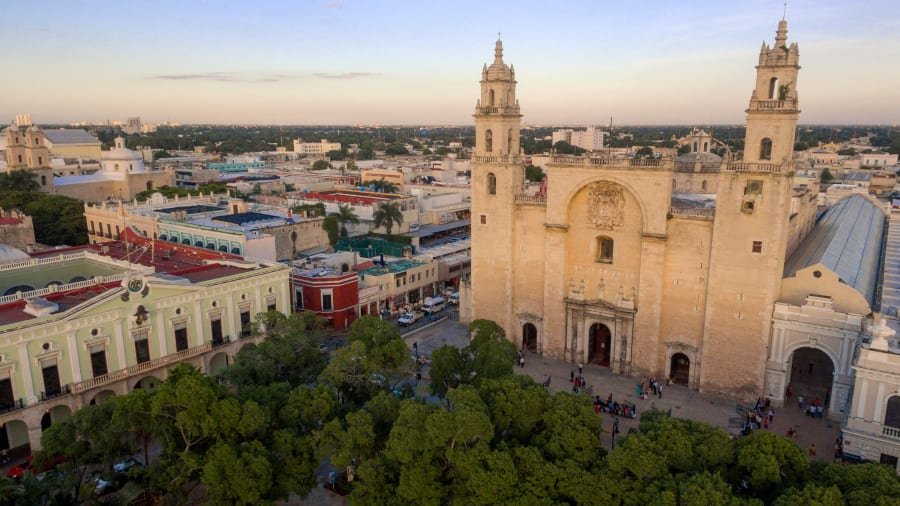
column 534, row 173
column 386, row 215
column 19, row 181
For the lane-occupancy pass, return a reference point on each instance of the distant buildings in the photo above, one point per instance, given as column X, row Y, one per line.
column 591, row 139
column 315, row 148
column 81, row 325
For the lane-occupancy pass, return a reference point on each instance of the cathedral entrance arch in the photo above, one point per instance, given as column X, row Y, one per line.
column 680, row 369
column 811, row 375
column 529, row 337
column 599, row 345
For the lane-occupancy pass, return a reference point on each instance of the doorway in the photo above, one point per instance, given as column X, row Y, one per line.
column 599, row 345
column 680, row 369
column 529, row 337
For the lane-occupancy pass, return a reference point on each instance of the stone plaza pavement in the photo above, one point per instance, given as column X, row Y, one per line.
column 683, row 403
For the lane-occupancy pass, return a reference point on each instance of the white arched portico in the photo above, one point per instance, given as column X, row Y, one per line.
column 817, row 326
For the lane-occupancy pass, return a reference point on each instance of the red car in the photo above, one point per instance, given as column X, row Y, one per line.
column 19, row 470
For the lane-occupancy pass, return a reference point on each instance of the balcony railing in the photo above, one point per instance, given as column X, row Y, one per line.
column 140, row 368
column 14, row 406
column 698, row 166
column 534, row 200
column 99, row 280
column 773, row 105
column 772, row 168
column 703, row 213
column 497, row 110
column 891, row 432
column 612, row 162
column 63, row 390
column 497, row 159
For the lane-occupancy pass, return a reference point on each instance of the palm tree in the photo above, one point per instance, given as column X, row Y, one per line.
column 384, row 186
column 19, row 180
column 345, row 215
column 386, row 215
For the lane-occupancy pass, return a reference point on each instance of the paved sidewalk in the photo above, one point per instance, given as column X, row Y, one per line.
column 682, row 402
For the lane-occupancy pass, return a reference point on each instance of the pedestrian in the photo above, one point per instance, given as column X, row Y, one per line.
column 571, row 376
column 616, row 426
column 580, row 368
column 640, row 390
column 659, row 390
column 812, row 450
column 771, row 415
column 521, row 361
column 789, row 391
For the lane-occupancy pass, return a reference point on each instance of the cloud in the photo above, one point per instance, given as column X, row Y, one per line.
column 334, row 4
column 236, row 77
column 345, row 75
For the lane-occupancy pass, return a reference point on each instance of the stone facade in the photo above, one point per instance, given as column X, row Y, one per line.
column 600, row 268
column 16, row 229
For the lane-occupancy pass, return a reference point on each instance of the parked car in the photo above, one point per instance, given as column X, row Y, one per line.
column 453, row 298
column 16, row 472
column 127, row 463
column 104, row 485
column 434, row 305
column 408, row 318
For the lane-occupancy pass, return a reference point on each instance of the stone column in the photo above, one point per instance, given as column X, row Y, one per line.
column 73, row 356
column 198, row 324
column 554, row 324
column 27, row 379
column 161, row 334
column 120, row 344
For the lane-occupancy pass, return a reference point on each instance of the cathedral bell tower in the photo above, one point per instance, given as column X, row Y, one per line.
column 774, row 106
column 497, row 175
column 497, row 111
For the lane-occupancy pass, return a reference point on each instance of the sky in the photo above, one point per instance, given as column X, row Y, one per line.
column 419, row 62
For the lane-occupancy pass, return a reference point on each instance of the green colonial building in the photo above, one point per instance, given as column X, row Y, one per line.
column 80, row 325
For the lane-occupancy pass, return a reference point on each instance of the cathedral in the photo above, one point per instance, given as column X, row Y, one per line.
column 667, row 267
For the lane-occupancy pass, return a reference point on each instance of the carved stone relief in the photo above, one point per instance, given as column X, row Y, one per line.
column 606, row 206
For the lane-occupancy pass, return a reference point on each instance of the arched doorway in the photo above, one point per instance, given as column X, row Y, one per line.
column 529, row 337
column 14, row 434
column 599, row 344
column 148, row 383
column 217, row 363
column 102, row 396
column 54, row 415
column 811, row 374
column 680, row 369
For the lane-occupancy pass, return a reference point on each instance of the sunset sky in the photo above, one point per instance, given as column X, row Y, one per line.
column 419, row 62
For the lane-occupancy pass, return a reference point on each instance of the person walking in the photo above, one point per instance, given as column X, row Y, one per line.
column 580, row 368
column 521, row 361
column 659, row 390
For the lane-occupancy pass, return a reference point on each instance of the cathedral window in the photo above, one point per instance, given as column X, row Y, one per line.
column 773, row 87
column 695, row 147
column 765, row 149
column 757, row 246
column 20, row 158
column 706, row 147
column 703, row 185
column 488, row 141
column 117, row 167
column 892, row 412
column 484, row 219
column 491, row 98
column 509, row 141
column 43, row 180
column 492, row 184
column 604, row 249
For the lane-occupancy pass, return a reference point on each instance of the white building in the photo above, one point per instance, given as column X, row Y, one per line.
column 315, row 148
column 591, row 139
column 877, row 159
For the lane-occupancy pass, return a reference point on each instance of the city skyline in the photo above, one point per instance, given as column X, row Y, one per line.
column 347, row 62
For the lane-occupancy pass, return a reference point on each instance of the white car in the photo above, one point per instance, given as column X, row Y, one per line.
column 409, row 318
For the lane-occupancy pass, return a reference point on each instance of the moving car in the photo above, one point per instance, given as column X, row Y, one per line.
column 409, row 318
column 454, row 298
column 434, row 305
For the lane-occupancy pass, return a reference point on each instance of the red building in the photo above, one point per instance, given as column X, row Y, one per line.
column 328, row 293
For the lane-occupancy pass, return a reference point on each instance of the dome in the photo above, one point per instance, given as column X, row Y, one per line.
column 120, row 153
column 699, row 156
column 10, row 254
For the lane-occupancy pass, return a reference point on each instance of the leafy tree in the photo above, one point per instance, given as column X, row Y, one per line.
column 335, row 155
column 534, row 173
column 449, row 369
column 485, row 329
column 85, row 438
column 321, row 165
column 644, row 152
column 345, row 214
column 290, row 354
column 333, row 228
column 396, row 149
column 426, row 152
column 847, row 152
column 564, row 148
column 826, row 176
column 58, row 220
column 19, row 181
column 811, row 494
column 386, row 215
column 350, row 166
column 311, row 210
column 769, row 463
column 442, row 151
